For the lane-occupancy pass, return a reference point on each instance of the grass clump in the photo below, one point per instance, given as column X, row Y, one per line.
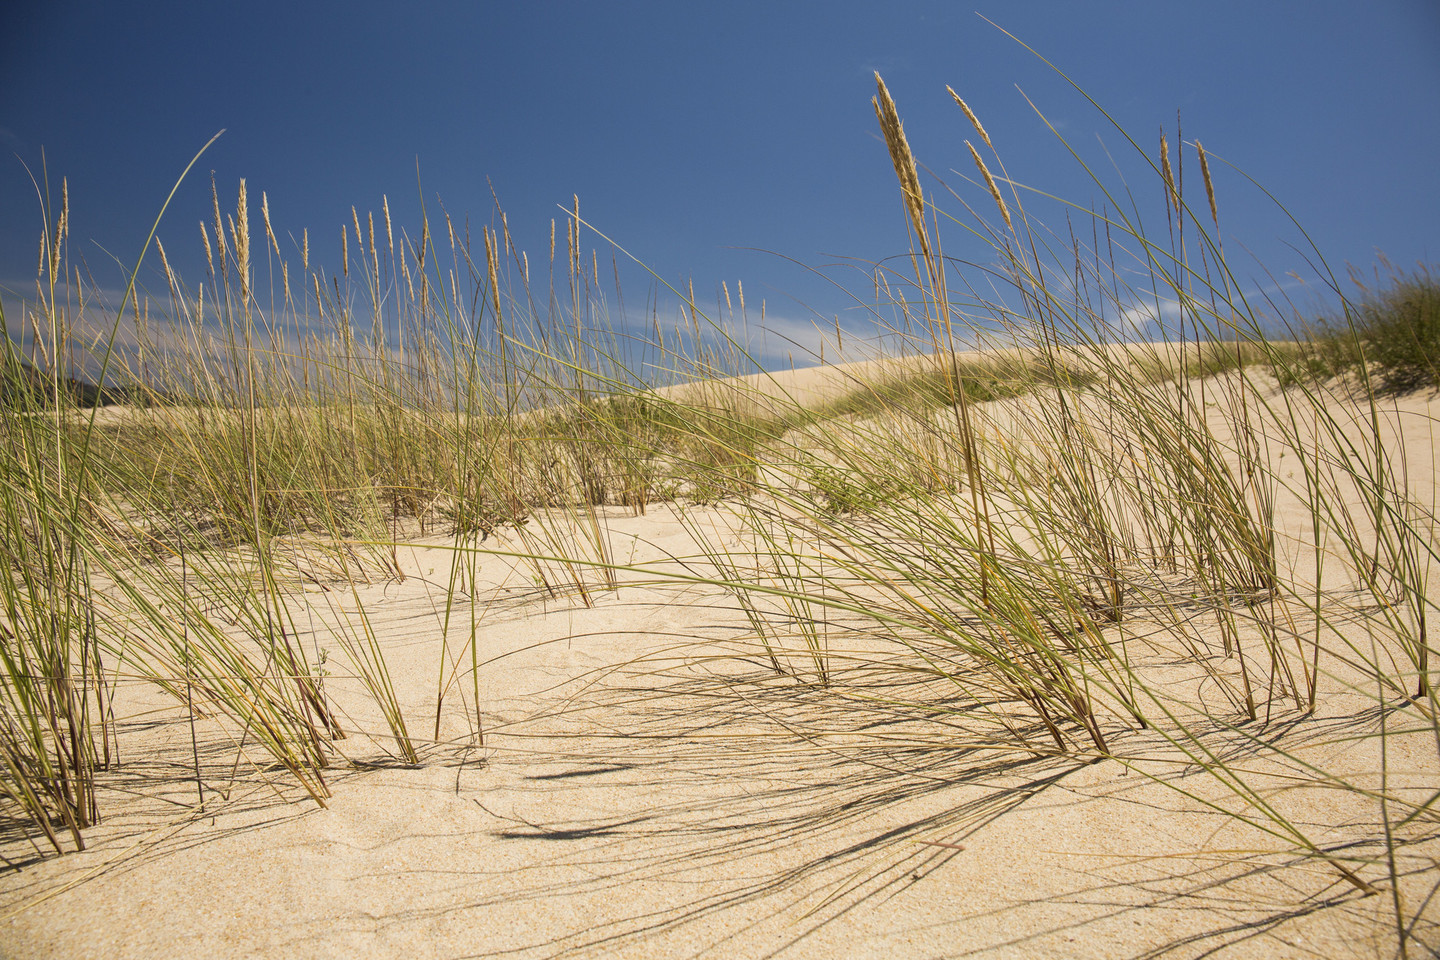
column 1399, row 325
column 1388, row 336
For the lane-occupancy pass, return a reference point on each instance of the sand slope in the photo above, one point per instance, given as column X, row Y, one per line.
column 640, row 792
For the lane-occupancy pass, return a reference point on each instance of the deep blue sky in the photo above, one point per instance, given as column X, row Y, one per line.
column 690, row 130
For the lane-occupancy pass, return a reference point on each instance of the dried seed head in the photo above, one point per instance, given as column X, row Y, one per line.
column 265, row 215
column 359, row 240
column 389, row 234
column 740, row 294
column 344, row 251
column 305, row 249
column 493, row 265
column 552, row 241
column 990, row 183
column 903, row 160
column 1167, row 173
column 405, row 269
column 1209, row 187
column 61, row 227
column 374, row 256
column 525, row 266
column 165, row 265
column 974, row 120
column 209, row 256
column 241, row 231
column 575, row 236
column 219, row 225
column 285, row 279
column 728, row 306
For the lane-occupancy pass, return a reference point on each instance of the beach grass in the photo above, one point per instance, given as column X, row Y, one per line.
column 1066, row 531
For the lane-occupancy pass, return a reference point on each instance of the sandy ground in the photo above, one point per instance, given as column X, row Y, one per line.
column 642, row 792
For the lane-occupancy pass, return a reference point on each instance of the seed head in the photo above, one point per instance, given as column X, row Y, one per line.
column 990, row 183
column 1167, row 173
column 165, row 265
column 265, row 215
column 974, row 120
column 389, row 234
column 493, row 265
column 241, row 230
column 359, row 240
column 903, row 160
column 61, row 227
column 1209, row 187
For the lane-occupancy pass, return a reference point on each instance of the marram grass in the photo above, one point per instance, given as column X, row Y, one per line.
column 1046, row 531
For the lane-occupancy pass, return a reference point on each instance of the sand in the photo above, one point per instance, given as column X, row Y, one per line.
column 626, row 803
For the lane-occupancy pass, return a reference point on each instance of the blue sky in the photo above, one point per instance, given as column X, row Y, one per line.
column 698, row 134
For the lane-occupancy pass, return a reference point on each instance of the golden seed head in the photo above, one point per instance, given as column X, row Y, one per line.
column 61, row 227
column 265, row 215
column 492, row 263
column 990, row 184
column 219, row 224
column 1209, row 187
column 552, row 241
column 389, row 234
column 903, row 160
column 344, row 251
column 575, row 236
column 974, row 120
column 1168, row 173
column 165, row 265
column 209, row 256
column 726, row 287
column 305, row 249
column 240, row 233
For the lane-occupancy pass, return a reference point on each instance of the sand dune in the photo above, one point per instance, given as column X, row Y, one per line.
column 643, row 790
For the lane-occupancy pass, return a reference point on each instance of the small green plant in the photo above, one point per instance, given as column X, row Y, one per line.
column 1399, row 324
column 1387, row 337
